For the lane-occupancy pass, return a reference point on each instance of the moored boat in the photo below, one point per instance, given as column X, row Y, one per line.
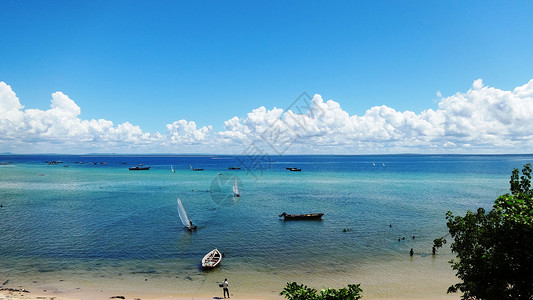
column 287, row 217
column 139, row 168
column 212, row 259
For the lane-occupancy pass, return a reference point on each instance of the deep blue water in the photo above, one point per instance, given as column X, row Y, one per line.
column 95, row 214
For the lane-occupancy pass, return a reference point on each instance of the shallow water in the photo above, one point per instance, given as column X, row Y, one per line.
column 102, row 223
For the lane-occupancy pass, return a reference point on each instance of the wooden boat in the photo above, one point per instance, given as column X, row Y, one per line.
column 139, row 168
column 212, row 259
column 287, row 217
column 293, row 169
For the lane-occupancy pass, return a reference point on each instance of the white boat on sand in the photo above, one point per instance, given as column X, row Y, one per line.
column 212, row 259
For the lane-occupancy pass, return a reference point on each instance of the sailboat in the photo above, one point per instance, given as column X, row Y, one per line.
column 184, row 218
column 172, row 169
column 236, row 189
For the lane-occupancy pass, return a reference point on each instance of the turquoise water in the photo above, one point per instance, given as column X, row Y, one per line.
column 104, row 219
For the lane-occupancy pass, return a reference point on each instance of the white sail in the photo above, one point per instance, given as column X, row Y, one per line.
column 236, row 188
column 172, row 168
column 183, row 214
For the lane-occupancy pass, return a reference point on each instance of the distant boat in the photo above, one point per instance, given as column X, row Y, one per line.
column 195, row 169
column 234, row 168
column 295, row 170
column 287, row 217
column 139, row 168
column 383, row 164
column 373, row 164
column 212, row 259
column 172, row 169
column 184, row 218
column 236, row 189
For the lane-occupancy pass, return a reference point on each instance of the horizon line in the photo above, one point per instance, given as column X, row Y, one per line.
column 214, row 155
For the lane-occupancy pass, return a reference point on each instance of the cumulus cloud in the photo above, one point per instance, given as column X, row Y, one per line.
column 59, row 129
column 482, row 120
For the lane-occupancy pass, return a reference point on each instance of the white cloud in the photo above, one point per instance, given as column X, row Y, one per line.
column 183, row 132
column 483, row 119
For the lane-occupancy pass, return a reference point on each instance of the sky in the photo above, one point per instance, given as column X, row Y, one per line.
column 298, row 77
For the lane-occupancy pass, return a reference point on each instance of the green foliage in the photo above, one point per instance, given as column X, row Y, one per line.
column 522, row 185
column 437, row 243
column 495, row 249
column 295, row 291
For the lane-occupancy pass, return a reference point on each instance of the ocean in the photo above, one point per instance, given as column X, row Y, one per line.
column 89, row 223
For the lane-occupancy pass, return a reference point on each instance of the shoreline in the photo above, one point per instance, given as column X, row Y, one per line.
column 57, row 295
column 392, row 279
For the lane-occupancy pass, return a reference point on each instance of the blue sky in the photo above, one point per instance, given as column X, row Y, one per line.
column 151, row 63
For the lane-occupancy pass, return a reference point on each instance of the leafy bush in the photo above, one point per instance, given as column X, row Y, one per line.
column 295, row 291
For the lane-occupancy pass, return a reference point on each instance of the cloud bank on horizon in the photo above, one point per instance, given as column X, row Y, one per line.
column 482, row 120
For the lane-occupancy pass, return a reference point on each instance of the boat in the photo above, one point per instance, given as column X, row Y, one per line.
column 184, row 218
column 295, row 170
column 287, row 217
column 195, row 169
column 139, row 168
column 172, row 169
column 212, row 259
column 234, row 168
column 236, row 189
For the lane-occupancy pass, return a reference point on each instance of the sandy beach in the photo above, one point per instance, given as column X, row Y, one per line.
column 99, row 290
column 57, row 295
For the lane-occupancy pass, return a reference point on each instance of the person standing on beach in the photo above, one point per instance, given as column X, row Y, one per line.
column 225, row 287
